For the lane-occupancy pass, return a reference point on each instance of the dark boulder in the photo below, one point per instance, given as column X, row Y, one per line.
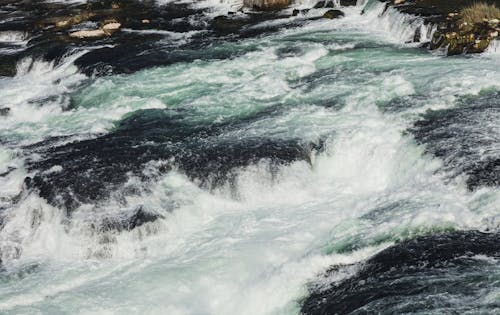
column 347, row 3
column 324, row 4
column 91, row 170
column 128, row 221
column 266, row 5
column 333, row 14
column 4, row 111
column 227, row 24
column 297, row 12
column 8, row 65
column 458, row 136
column 438, row 274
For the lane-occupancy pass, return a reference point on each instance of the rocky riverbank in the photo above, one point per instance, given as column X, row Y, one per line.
column 462, row 26
column 456, row 31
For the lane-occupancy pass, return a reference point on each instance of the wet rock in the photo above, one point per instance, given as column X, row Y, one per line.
column 88, row 34
column 459, row 138
column 227, row 24
column 93, row 169
column 9, row 170
column 112, row 26
column 324, row 4
column 267, row 4
column 4, row 111
column 480, row 45
column 297, row 12
column 124, row 52
column 429, row 274
column 106, row 30
column 464, row 38
column 333, row 14
column 347, row 3
column 52, row 43
column 129, row 221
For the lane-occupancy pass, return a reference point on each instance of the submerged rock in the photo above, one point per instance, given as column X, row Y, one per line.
column 333, row 14
column 127, row 222
column 459, row 137
column 444, row 273
column 347, row 3
column 91, row 170
column 4, row 111
column 224, row 23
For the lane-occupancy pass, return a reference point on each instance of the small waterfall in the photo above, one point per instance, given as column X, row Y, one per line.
column 494, row 47
column 405, row 28
column 426, row 32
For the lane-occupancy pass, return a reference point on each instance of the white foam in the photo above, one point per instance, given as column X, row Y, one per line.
column 399, row 26
column 13, row 37
column 37, row 81
column 493, row 48
column 212, row 7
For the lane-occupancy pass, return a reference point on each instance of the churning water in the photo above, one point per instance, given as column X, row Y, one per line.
column 225, row 186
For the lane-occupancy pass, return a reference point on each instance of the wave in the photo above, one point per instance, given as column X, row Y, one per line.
column 37, row 92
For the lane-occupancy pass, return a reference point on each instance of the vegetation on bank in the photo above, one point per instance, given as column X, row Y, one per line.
column 479, row 12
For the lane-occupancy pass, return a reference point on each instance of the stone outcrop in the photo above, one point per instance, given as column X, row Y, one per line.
column 88, row 34
column 466, row 37
column 394, row 279
column 333, row 14
column 227, row 24
column 106, row 30
column 266, row 4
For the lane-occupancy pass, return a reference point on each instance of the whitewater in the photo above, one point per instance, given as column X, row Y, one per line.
column 240, row 236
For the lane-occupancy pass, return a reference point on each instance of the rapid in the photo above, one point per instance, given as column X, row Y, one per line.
column 250, row 175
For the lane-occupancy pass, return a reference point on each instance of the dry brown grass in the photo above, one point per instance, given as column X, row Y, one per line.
column 477, row 12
